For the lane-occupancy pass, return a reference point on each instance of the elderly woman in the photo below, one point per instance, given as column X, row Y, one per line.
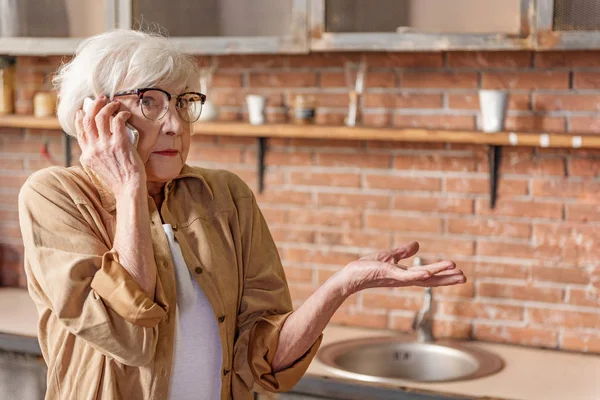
column 154, row 279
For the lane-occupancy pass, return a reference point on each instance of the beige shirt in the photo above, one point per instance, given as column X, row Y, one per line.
column 101, row 336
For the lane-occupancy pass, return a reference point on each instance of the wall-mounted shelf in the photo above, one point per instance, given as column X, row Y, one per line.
column 262, row 132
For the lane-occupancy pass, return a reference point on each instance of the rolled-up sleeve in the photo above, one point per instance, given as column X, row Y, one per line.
column 68, row 261
column 266, row 304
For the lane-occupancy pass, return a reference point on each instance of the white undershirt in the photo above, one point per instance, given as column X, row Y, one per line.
column 197, row 358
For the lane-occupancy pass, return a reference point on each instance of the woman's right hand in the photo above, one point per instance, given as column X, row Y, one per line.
column 105, row 146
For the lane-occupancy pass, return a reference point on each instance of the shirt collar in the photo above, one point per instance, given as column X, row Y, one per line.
column 108, row 199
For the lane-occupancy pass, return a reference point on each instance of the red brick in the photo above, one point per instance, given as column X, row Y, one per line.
column 301, row 291
column 520, row 292
column 488, row 227
column 583, row 212
column 13, row 181
column 329, row 118
column 324, row 179
column 566, row 102
column 220, row 79
column 393, row 222
column 567, row 59
column 353, row 160
column 11, row 164
column 535, row 123
column 507, row 186
column 319, row 257
column 404, row 59
column 435, row 162
column 584, row 297
column 521, row 163
column 438, row 246
column 341, row 219
column 530, row 80
column 231, row 115
column 295, row 274
column 516, row 335
column 250, row 61
column 505, row 249
column 584, row 167
column 456, row 122
column 379, row 119
column 564, row 318
column 581, row 341
column 451, row 329
column 11, row 197
column 283, row 79
column 510, row 271
column 560, row 275
column 401, row 323
column 285, row 197
column 274, row 157
column 402, row 100
column 354, row 239
column 401, row 145
column 337, row 143
column 218, row 155
column 404, row 183
column 586, row 80
column 489, row 59
column 569, row 242
column 584, row 124
column 479, row 310
column 353, row 317
column 470, row 101
column 525, row 209
column 274, row 215
column 453, row 205
column 9, row 215
column 442, row 80
column 293, row 236
column 564, row 188
column 323, row 273
column 354, row 200
column 466, row 289
column 237, row 97
column 391, row 301
column 373, row 79
column 322, row 60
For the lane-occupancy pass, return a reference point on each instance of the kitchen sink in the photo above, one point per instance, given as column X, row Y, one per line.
column 393, row 359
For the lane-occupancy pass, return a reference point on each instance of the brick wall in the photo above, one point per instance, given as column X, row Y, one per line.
column 533, row 263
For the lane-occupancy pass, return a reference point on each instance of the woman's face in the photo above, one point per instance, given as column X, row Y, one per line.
column 164, row 144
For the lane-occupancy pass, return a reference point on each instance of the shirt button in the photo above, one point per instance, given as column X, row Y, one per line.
column 198, row 270
column 225, row 371
column 221, row 318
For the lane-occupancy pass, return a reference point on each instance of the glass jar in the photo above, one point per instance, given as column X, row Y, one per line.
column 304, row 109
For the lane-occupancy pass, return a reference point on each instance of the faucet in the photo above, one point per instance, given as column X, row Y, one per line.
column 423, row 323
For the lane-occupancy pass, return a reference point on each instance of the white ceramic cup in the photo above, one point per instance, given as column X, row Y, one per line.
column 256, row 108
column 493, row 104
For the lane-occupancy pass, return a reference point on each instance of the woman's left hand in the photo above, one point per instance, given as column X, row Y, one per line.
column 383, row 270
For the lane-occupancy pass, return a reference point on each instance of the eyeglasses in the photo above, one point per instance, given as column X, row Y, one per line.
column 154, row 103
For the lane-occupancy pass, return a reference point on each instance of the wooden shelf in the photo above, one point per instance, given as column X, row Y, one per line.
column 557, row 140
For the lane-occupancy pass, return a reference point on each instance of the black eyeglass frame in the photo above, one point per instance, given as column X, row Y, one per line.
column 140, row 93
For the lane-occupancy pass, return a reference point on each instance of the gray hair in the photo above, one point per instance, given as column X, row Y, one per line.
column 120, row 60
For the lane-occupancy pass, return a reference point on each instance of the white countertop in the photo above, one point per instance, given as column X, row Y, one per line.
column 528, row 374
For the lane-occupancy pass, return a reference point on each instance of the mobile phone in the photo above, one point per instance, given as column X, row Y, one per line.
column 131, row 131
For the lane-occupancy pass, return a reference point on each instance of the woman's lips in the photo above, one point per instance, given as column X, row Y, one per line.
column 168, row 152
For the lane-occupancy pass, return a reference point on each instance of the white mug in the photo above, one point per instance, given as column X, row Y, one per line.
column 493, row 104
column 256, row 108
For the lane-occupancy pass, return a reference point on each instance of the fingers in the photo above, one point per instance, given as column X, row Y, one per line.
column 437, row 267
column 118, row 125
column 81, row 136
column 438, row 280
column 405, row 251
column 104, row 117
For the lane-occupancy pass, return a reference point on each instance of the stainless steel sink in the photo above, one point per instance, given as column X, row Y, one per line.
column 389, row 359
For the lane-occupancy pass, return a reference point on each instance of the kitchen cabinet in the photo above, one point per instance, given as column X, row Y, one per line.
column 405, row 25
